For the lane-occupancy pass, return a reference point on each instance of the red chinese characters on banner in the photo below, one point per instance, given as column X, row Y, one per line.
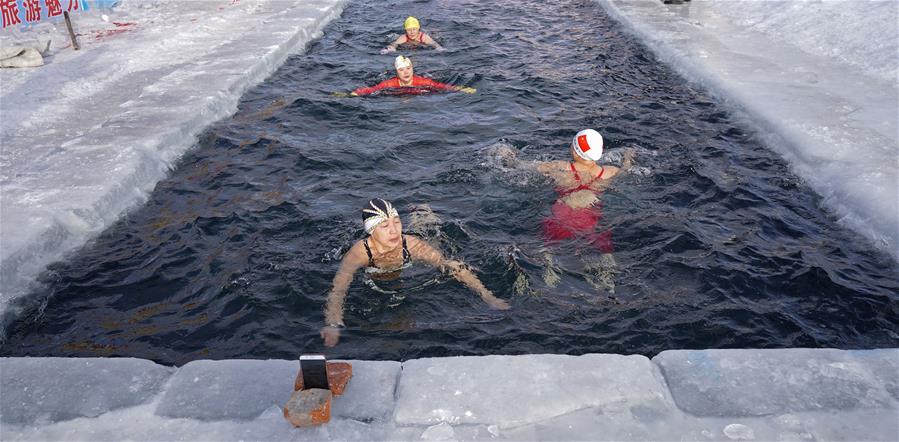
column 73, row 5
column 32, row 10
column 10, row 11
column 53, row 8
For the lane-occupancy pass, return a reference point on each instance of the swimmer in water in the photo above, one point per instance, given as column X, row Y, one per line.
column 406, row 78
column 383, row 255
column 413, row 37
column 577, row 211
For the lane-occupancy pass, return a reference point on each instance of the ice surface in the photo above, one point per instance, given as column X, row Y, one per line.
column 867, row 34
column 514, row 390
column 370, row 394
column 46, row 390
column 767, row 382
column 817, row 80
column 139, row 423
column 232, row 389
column 508, row 396
column 245, row 389
column 88, row 135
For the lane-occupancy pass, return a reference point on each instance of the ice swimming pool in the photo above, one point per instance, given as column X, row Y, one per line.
column 717, row 243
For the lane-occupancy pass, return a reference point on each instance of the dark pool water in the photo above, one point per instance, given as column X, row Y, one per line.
column 717, row 243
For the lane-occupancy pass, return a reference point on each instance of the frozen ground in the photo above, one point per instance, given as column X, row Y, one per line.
column 790, row 394
column 88, row 135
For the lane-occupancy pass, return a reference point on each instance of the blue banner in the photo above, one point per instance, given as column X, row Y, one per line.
column 25, row 13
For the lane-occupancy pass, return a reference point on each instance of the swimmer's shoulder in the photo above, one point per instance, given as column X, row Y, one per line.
column 610, row 171
column 552, row 166
column 419, row 249
column 413, row 242
column 356, row 254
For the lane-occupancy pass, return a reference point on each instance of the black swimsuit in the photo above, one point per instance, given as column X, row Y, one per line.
column 378, row 273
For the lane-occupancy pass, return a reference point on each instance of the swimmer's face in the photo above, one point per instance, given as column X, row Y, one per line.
column 388, row 233
column 412, row 33
column 404, row 73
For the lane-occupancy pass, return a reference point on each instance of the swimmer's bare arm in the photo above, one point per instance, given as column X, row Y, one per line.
column 430, row 42
column 392, row 46
column 627, row 162
column 354, row 259
column 460, row 271
column 510, row 159
column 551, row 168
column 421, row 250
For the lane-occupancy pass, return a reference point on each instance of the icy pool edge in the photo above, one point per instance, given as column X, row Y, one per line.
column 863, row 194
column 777, row 394
column 52, row 236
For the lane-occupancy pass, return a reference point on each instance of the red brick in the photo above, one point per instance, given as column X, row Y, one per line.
column 308, row 408
column 339, row 374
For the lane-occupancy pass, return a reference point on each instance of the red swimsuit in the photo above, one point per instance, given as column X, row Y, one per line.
column 421, row 39
column 567, row 222
column 419, row 85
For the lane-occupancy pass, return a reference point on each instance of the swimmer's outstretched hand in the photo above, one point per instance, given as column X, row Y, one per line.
column 467, row 90
column 387, row 50
column 343, row 94
column 331, row 335
column 496, row 303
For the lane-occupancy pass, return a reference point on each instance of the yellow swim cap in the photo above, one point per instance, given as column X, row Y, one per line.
column 411, row 22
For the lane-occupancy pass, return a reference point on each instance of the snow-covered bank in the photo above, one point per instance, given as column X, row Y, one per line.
column 88, row 135
column 817, row 79
column 789, row 394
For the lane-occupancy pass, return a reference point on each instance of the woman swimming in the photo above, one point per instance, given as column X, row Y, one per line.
column 413, row 36
column 577, row 210
column 576, row 213
column 384, row 254
column 407, row 81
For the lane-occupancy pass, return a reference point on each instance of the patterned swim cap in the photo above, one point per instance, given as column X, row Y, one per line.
column 377, row 211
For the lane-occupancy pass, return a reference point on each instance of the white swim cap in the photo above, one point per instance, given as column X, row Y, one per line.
column 587, row 144
column 402, row 61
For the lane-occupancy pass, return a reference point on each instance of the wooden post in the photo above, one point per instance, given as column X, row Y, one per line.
column 71, row 32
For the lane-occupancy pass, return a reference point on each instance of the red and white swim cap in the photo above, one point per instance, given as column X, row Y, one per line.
column 587, row 144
